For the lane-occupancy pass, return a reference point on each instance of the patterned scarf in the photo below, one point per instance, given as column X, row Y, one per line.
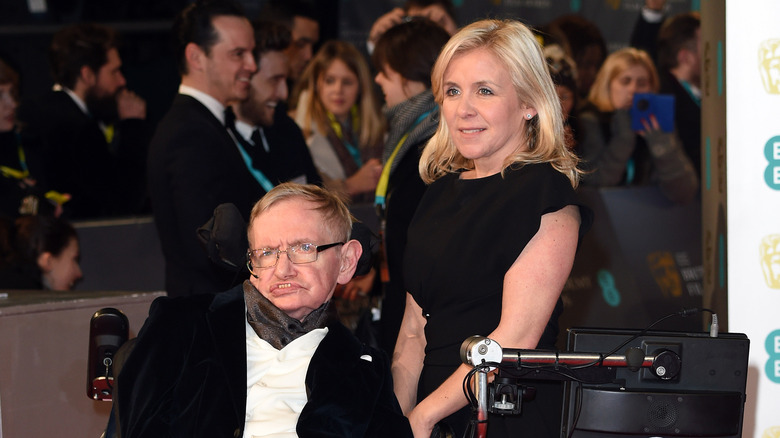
column 276, row 327
column 401, row 118
column 345, row 157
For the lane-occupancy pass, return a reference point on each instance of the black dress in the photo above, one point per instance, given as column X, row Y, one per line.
column 464, row 237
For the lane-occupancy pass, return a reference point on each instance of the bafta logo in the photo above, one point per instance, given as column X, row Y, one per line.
column 769, row 65
column 770, row 260
column 771, row 432
column 665, row 273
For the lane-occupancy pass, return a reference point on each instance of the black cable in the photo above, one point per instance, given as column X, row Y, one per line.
column 564, row 370
column 683, row 313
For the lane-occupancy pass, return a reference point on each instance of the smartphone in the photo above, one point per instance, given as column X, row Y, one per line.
column 659, row 105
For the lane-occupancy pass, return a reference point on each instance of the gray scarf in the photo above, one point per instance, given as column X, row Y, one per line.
column 276, row 327
column 401, row 118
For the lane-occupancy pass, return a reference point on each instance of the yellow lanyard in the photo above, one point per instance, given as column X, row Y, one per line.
column 336, row 126
column 10, row 172
column 381, row 187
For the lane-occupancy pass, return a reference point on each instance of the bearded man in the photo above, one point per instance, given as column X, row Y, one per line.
column 91, row 128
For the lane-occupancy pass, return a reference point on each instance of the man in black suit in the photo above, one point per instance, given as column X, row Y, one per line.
column 273, row 143
column 92, row 130
column 268, row 357
column 194, row 164
column 679, row 65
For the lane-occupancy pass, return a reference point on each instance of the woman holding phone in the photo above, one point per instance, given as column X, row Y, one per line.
column 614, row 153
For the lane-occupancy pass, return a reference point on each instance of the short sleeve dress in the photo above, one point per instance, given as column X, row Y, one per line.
column 465, row 235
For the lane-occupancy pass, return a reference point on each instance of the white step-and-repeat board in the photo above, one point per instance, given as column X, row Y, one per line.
column 741, row 189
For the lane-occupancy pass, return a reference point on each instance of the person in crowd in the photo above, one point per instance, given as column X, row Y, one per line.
column 563, row 71
column 493, row 239
column 674, row 44
column 268, row 357
column 339, row 114
column 300, row 17
column 644, row 35
column 22, row 188
column 270, row 142
column 194, row 164
column 41, row 252
column 93, row 131
column 679, row 63
column 404, row 58
column 617, row 155
column 584, row 42
column 441, row 12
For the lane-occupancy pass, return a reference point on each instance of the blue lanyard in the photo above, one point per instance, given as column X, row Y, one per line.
column 258, row 175
column 689, row 90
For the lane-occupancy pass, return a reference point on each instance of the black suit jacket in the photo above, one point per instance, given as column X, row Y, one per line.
column 194, row 165
column 103, row 179
column 186, row 377
column 288, row 157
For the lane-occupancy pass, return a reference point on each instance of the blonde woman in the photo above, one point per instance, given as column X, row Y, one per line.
column 615, row 154
column 341, row 120
column 493, row 238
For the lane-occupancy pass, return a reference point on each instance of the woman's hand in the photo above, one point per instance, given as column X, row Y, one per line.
column 650, row 125
column 385, row 22
column 420, row 427
column 365, row 179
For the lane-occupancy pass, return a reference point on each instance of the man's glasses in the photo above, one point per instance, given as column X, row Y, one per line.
column 299, row 254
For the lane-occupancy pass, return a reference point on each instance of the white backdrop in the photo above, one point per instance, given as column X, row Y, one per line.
column 752, row 73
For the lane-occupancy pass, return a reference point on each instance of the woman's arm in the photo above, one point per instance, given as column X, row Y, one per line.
column 408, row 355
column 673, row 170
column 606, row 158
column 531, row 289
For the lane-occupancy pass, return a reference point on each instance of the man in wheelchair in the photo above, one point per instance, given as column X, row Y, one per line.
column 268, row 357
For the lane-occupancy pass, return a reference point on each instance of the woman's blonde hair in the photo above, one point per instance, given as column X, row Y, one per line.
column 514, row 46
column 614, row 65
column 372, row 123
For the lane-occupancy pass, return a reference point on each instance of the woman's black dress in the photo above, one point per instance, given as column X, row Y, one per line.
column 464, row 237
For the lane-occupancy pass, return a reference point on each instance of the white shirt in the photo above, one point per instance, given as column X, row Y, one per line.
column 79, row 103
column 246, row 130
column 207, row 100
column 276, row 390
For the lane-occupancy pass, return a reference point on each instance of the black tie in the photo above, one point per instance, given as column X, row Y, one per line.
column 230, row 118
column 257, row 138
column 230, row 124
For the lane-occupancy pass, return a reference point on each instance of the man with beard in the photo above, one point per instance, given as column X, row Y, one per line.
column 301, row 18
column 194, row 163
column 92, row 129
column 271, row 142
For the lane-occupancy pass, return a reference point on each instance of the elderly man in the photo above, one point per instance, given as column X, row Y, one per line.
column 269, row 357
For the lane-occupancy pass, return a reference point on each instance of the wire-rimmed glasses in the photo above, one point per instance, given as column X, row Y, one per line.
column 298, row 254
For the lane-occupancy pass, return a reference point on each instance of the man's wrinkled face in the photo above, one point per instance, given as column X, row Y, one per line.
column 296, row 289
